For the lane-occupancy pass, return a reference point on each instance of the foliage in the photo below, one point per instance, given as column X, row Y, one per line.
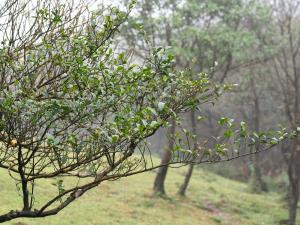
column 73, row 105
column 212, row 36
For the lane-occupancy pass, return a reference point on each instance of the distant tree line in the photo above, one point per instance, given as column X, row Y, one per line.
column 252, row 43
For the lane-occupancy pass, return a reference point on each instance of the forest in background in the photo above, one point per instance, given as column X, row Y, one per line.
column 253, row 44
column 92, row 95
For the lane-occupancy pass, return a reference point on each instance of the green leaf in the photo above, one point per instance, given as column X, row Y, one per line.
column 154, row 124
column 199, row 118
column 274, row 141
column 161, row 106
column 115, row 138
column 223, row 120
column 228, row 133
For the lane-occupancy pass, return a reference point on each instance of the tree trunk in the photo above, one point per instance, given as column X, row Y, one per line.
column 159, row 183
column 257, row 183
column 183, row 187
column 293, row 200
column 294, row 179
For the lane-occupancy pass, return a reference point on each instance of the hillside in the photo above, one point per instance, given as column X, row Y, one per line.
column 211, row 200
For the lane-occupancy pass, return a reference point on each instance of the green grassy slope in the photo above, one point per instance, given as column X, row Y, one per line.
column 211, row 200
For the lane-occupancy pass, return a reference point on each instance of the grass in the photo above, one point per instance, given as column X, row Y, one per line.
column 211, row 200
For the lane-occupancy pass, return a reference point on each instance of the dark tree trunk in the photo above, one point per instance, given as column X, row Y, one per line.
column 183, row 187
column 294, row 179
column 293, row 200
column 257, row 182
column 159, row 183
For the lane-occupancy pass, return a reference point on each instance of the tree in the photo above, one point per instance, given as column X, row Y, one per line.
column 210, row 36
column 183, row 187
column 285, row 65
column 252, row 113
column 73, row 106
